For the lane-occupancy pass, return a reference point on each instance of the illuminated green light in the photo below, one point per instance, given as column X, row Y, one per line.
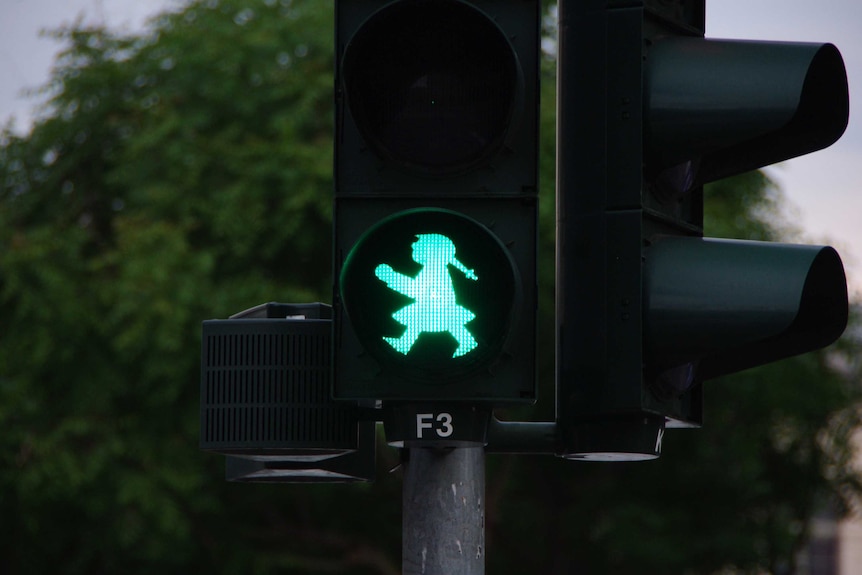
column 434, row 308
column 430, row 294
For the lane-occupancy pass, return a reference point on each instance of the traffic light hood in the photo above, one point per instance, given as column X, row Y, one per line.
column 727, row 305
column 730, row 106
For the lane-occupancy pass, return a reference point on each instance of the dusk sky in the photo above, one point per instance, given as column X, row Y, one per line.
column 822, row 188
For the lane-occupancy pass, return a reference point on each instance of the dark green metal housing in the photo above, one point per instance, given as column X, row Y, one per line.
column 436, row 110
column 648, row 111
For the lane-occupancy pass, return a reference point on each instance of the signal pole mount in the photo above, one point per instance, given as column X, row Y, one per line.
column 444, row 511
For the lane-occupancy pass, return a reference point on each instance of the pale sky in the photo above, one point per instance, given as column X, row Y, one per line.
column 822, row 187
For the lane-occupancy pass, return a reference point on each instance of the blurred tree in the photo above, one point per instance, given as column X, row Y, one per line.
column 176, row 176
column 186, row 174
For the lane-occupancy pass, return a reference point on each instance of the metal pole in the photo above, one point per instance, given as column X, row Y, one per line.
column 444, row 512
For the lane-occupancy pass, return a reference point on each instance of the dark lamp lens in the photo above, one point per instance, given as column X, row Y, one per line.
column 431, row 85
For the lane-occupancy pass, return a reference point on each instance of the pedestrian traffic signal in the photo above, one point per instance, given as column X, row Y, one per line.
column 436, row 200
column 649, row 111
column 431, row 293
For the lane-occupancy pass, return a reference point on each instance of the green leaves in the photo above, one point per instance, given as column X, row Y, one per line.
column 175, row 177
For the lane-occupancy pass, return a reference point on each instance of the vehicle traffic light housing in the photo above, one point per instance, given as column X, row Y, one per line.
column 649, row 111
column 435, row 213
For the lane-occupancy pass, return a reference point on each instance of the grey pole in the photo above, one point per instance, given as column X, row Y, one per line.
column 444, row 512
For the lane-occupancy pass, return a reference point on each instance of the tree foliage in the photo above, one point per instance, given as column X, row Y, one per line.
column 186, row 174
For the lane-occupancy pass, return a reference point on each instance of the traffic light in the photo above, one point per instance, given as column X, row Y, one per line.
column 650, row 111
column 435, row 213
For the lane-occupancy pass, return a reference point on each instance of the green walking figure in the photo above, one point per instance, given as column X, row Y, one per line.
column 434, row 308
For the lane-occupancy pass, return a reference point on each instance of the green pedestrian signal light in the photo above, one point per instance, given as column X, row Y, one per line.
column 434, row 309
column 431, row 293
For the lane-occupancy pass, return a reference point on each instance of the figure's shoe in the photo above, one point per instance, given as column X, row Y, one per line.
column 464, row 347
column 399, row 344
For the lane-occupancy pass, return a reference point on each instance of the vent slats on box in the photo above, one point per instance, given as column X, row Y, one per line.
column 266, row 386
